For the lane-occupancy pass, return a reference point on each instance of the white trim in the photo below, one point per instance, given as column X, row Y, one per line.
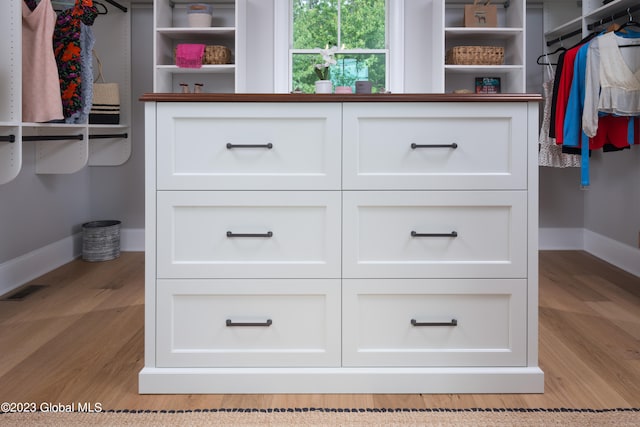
column 25, row 268
column 132, row 240
column 281, row 25
column 618, row 254
column 395, row 37
column 561, row 238
column 340, row 380
column 622, row 256
column 18, row 271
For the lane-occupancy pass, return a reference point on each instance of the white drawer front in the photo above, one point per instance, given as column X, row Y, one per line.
column 490, row 146
column 211, row 234
column 239, row 323
column 193, row 150
column 458, row 234
column 457, row 322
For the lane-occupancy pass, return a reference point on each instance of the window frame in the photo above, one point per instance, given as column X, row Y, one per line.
column 283, row 49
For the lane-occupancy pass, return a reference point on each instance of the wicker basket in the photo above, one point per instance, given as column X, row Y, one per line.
column 213, row 55
column 216, row 55
column 475, row 55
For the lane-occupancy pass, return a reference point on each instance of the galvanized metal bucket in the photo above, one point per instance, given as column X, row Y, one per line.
column 100, row 240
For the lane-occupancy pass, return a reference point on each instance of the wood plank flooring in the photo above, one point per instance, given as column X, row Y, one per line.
column 80, row 339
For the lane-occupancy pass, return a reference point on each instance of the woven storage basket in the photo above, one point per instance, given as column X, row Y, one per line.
column 475, row 55
column 216, row 55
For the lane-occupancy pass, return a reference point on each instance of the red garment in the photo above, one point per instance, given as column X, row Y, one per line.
column 612, row 130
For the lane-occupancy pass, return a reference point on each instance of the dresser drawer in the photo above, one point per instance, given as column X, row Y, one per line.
column 435, row 146
column 415, row 234
column 240, row 323
column 248, row 146
column 245, row 234
column 436, row 322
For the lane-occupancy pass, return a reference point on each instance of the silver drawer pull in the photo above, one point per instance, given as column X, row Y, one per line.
column 452, row 234
column 453, row 146
column 232, row 234
column 230, row 322
column 454, row 322
column 230, row 146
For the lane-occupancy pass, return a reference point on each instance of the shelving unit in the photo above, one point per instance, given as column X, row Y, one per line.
column 64, row 148
column 510, row 34
column 10, row 91
column 565, row 22
column 171, row 28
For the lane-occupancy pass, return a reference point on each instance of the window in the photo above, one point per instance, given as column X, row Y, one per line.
column 357, row 27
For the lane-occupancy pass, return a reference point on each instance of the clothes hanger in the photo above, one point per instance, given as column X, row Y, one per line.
column 629, row 24
column 104, row 7
column 546, row 55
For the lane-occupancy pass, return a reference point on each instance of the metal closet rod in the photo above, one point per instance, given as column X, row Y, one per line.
column 594, row 25
column 111, row 2
column 116, row 4
column 8, row 138
column 624, row 13
column 109, row 135
column 564, row 37
column 79, row 137
column 31, row 138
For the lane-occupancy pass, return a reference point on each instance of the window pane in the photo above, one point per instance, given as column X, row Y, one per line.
column 363, row 24
column 315, row 23
column 349, row 69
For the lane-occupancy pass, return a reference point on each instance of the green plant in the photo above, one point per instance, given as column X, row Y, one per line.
column 329, row 59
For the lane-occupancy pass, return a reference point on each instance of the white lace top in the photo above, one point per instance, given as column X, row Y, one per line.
column 612, row 79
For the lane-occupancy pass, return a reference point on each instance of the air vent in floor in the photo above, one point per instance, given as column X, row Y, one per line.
column 22, row 293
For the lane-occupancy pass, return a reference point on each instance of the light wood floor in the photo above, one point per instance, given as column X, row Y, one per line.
column 80, row 339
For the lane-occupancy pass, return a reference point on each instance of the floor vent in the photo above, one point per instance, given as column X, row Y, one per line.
column 22, row 293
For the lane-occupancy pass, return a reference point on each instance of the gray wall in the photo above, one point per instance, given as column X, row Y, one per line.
column 612, row 202
column 36, row 210
column 118, row 192
column 561, row 200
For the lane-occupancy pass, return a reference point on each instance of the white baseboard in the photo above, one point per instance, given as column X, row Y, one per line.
column 23, row 269
column 561, row 239
column 622, row 256
column 20, row 270
column 132, row 240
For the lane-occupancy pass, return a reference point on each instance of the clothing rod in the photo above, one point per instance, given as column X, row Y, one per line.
column 78, row 137
column 116, row 4
column 109, row 135
column 625, row 13
column 564, row 37
column 8, row 138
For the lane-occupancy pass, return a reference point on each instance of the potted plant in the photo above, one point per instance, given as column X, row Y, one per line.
column 324, row 85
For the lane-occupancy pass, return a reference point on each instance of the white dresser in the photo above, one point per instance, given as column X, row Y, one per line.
column 341, row 244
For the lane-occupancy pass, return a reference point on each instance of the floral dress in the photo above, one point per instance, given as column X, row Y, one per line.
column 68, row 53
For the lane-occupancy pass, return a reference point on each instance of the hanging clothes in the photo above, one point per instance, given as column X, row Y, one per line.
column 41, row 97
column 612, row 80
column 613, row 133
column 68, row 53
column 87, row 42
column 550, row 153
